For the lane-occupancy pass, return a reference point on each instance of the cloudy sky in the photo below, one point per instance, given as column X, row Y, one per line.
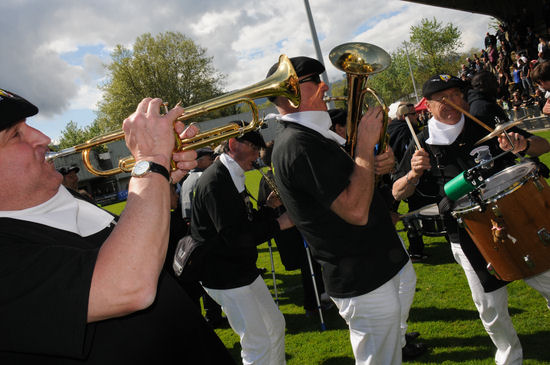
column 53, row 51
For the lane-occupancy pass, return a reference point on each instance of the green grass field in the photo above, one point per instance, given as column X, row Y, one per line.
column 443, row 312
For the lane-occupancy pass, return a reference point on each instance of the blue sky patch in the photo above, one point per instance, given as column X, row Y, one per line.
column 371, row 22
column 76, row 58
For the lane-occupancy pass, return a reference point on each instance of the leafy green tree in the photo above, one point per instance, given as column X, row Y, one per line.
column 73, row 135
column 170, row 66
column 436, row 46
column 395, row 82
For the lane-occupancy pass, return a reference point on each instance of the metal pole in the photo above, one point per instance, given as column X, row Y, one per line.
column 308, row 254
column 324, row 75
column 411, row 72
column 273, row 271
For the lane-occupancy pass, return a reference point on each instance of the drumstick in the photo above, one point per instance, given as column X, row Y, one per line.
column 447, row 101
column 416, row 141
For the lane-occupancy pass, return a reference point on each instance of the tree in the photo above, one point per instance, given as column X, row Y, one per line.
column 395, row 82
column 73, row 135
column 170, row 66
column 437, row 47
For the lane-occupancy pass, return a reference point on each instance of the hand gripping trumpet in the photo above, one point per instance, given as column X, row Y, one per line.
column 284, row 82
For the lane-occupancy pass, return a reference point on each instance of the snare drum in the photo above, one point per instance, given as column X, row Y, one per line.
column 510, row 222
column 426, row 221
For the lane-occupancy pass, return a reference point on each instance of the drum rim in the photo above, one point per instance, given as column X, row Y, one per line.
column 509, row 190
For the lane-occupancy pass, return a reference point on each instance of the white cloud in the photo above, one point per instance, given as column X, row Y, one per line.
column 244, row 37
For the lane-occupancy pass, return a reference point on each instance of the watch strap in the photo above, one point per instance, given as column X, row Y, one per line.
column 155, row 167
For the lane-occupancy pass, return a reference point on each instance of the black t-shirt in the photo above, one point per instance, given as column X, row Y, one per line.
column 223, row 219
column 45, row 280
column 310, row 172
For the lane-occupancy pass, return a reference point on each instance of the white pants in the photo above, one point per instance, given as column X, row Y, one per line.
column 493, row 309
column 254, row 316
column 407, row 288
column 374, row 324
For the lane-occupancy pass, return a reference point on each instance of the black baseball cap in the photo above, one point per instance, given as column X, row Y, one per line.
column 205, row 151
column 13, row 109
column 439, row 83
column 253, row 137
column 66, row 170
column 302, row 65
column 338, row 116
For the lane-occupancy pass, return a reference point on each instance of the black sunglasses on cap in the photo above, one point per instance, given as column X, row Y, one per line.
column 313, row 78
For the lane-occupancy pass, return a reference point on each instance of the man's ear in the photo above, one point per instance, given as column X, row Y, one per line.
column 428, row 106
column 232, row 144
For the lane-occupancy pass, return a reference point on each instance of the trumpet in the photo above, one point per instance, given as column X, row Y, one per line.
column 270, row 182
column 359, row 61
column 283, row 82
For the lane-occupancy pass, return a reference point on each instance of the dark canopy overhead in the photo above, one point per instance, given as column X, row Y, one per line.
column 505, row 10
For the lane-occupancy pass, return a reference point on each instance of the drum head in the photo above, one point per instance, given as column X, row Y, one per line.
column 497, row 186
column 506, row 181
column 429, row 210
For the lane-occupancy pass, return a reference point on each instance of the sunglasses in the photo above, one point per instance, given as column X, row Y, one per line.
column 313, row 78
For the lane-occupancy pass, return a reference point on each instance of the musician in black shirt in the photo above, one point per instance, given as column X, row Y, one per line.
column 78, row 286
column 332, row 200
column 446, row 145
column 222, row 218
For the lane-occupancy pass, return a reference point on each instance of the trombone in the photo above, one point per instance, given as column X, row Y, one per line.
column 283, row 82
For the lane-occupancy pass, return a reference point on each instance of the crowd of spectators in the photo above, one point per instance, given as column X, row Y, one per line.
column 511, row 54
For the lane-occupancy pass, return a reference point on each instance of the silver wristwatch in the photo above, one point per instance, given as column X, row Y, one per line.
column 142, row 168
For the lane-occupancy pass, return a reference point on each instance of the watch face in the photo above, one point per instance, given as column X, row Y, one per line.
column 141, row 168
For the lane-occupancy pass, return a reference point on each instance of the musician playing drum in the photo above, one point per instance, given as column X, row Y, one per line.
column 446, row 145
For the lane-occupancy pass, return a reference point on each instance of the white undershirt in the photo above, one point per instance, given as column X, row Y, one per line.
column 317, row 120
column 235, row 170
column 64, row 211
column 443, row 134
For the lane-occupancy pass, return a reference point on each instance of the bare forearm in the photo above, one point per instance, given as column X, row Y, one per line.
column 403, row 188
column 129, row 262
column 353, row 204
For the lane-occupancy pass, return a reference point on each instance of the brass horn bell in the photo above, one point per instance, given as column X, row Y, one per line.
column 359, row 61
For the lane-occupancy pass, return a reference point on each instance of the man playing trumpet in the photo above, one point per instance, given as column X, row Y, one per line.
column 78, row 285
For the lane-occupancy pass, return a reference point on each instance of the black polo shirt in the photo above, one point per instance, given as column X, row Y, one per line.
column 310, row 172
